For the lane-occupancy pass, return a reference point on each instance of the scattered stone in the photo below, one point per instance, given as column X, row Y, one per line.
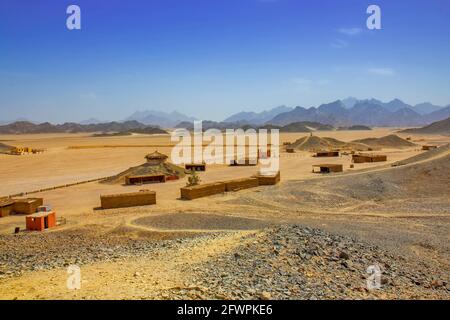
column 437, row 284
column 344, row 255
column 265, row 296
column 282, row 262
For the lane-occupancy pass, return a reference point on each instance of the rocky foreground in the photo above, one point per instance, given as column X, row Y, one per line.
column 80, row 246
column 295, row 262
column 283, row 262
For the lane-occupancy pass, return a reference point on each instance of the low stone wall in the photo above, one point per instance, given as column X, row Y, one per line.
column 327, row 154
column 327, row 168
column 209, row 189
column 361, row 158
column 6, row 209
column 358, row 159
column 203, row 190
column 123, row 200
column 27, row 206
column 239, row 184
column 269, row 180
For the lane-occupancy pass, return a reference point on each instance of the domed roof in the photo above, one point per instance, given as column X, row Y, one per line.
column 156, row 156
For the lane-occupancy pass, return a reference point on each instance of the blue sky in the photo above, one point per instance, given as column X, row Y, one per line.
column 211, row 58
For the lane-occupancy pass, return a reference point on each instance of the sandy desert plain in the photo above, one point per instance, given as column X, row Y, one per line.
column 312, row 236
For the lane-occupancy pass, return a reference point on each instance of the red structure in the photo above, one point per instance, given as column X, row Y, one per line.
column 41, row 220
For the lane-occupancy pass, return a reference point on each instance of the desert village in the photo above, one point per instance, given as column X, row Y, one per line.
column 125, row 190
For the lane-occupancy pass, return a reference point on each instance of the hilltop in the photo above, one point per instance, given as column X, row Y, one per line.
column 159, row 118
column 302, row 126
column 439, row 127
column 390, row 141
column 257, row 118
column 314, row 143
column 4, row 148
column 25, row 127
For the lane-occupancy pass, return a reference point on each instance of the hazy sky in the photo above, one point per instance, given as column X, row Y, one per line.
column 211, row 58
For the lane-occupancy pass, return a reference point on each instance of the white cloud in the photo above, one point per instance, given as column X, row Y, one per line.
column 306, row 85
column 339, row 44
column 350, row 31
column 88, row 96
column 382, row 71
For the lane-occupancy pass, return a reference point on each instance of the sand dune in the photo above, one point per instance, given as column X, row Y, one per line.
column 315, row 143
column 390, row 141
column 5, row 148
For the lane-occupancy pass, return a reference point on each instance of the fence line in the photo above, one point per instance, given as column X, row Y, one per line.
column 57, row 187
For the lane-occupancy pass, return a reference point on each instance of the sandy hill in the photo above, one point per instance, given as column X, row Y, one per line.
column 401, row 182
column 390, row 141
column 425, row 155
column 5, row 148
column 165, row 168
column 355, row 128
column 306, row 126
column 314, row 143
column 439, row 127
column 420, row 184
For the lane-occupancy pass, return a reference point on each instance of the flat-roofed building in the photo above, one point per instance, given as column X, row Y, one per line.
column 327, row 154
column 328, row 168
column 6, row 207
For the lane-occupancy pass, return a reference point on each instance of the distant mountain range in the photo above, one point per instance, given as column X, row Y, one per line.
column 303, row 126
column 207, row 124
column 394, row 105
column 23, row 127
column 159, row 118
column 3, row 122
column 340, row 113
column 426, row 108
column 91, row 121
column 257, row 117
column 365, row 112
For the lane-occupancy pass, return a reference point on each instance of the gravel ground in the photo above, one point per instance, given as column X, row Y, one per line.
column 289, row 261
column 28, row 252
column 283, row 262
column 196, row 221
column 295, row 262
